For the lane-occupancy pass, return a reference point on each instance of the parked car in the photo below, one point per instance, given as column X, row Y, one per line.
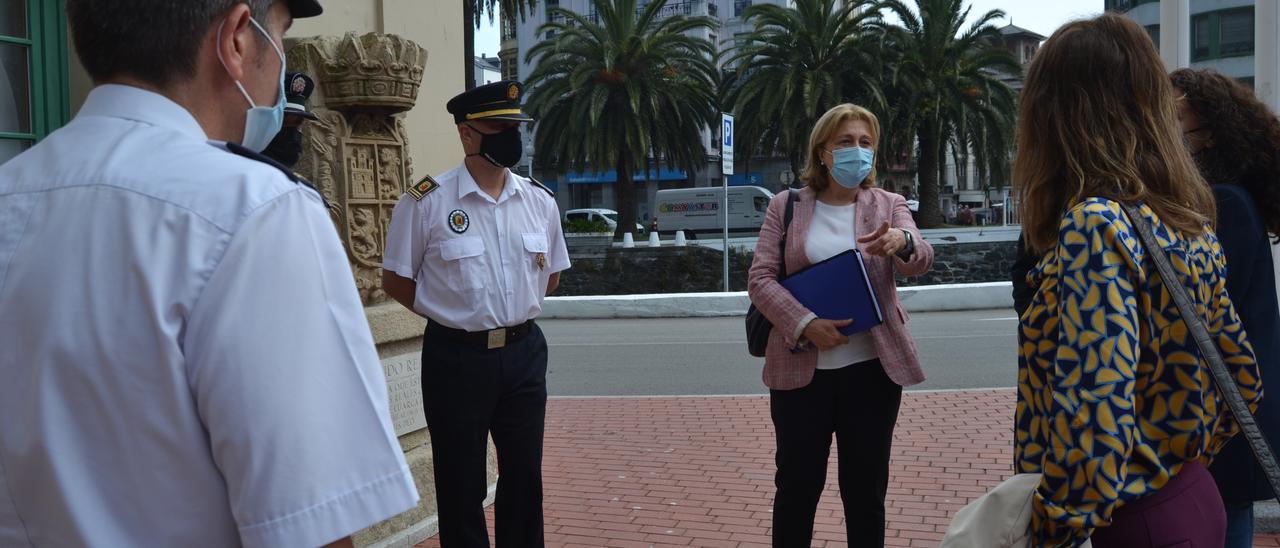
column 696, row 211
column 607, row 216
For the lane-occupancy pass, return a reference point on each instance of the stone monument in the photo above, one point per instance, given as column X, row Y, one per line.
column 356, row 152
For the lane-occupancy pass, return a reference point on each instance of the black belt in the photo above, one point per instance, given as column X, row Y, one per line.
column 488, row 339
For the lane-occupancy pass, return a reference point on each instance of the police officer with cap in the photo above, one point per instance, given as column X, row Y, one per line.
column 286, row 147
column 475, row 250
column 185, row 357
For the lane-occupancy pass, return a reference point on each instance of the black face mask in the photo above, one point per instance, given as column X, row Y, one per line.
column 502, row 149
column 286, row 147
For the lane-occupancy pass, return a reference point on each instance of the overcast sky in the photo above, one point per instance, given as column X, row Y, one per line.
column 1040, row 16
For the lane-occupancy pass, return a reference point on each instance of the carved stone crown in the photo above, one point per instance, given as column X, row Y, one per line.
column 373, row 70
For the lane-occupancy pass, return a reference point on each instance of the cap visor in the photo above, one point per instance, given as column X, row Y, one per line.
column 522, row 117
column 304, row 8
column 301, row 113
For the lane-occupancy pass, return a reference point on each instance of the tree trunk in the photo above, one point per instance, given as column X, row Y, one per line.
column 930, row 215
column 625, row 200
column 468, row 44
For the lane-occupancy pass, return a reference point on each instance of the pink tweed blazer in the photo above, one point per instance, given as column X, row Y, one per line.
column 787, row 370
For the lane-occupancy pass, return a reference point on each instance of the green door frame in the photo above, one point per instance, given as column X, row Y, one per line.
column 47, row 69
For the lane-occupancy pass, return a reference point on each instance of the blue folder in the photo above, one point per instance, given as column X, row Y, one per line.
column 838, row 289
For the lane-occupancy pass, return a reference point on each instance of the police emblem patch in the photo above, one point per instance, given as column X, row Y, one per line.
column 513, row 92
column 298, row 85
column 459, row 222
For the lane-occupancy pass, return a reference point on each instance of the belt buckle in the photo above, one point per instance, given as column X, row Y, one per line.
column 497, row 338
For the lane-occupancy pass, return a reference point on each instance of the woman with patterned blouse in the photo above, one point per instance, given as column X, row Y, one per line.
column 1116, row 408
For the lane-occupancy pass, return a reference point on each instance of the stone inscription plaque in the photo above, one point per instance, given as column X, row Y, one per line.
column 404, row 392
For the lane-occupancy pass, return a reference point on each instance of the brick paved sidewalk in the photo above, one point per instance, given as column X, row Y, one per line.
column 698, row 471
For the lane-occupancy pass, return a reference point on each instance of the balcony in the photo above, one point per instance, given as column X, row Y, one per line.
column 686, row 7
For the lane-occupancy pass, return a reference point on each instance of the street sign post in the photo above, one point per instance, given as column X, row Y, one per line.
column 726, row 169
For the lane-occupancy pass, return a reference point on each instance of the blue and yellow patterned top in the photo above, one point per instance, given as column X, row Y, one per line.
column 1112, row 397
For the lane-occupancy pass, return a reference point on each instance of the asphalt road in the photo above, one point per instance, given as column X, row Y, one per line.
column 702, row 356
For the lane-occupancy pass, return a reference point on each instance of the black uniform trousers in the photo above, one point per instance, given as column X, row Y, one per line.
column 859, row 403
column 470, row 392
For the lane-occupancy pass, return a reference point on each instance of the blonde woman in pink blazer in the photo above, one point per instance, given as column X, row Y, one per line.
column 820, row 381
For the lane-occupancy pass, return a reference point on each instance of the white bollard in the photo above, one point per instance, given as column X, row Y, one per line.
column 680, row 238
column 628, row 241
column 653, row 240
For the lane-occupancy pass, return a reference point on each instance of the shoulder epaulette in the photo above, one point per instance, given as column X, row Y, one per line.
column 239, row 150
column 544, row 188
column 424, row 187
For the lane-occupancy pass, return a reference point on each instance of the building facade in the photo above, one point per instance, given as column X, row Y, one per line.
column 488, row 70
column 1221, row 32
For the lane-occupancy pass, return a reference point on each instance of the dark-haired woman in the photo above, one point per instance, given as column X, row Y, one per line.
column 1235, row 140
column 1116, row 406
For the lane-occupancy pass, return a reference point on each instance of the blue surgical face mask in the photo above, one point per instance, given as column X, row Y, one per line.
column 261, row 123
column 852, row 165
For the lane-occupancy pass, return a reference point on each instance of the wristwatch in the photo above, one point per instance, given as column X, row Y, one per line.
column 906, row 252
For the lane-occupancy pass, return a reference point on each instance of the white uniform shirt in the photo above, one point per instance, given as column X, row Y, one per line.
column 832, row 232
column 476, row 259
column 185, row 360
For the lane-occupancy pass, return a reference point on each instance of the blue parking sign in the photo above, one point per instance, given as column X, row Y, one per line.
column 726, row 143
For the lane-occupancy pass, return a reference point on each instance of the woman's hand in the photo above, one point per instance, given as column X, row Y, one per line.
column 825, row 334
column 884, row 242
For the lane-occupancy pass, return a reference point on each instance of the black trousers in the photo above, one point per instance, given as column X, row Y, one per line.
column 860, row 405
column 469, row 393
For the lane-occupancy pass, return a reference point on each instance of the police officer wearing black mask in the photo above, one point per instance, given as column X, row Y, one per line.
column 286, row 147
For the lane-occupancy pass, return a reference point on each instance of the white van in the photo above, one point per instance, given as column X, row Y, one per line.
column 696, row 211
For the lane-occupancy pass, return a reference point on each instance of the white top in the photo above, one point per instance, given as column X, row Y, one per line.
column 185, row 360
column 832, row 232
column 479, row 263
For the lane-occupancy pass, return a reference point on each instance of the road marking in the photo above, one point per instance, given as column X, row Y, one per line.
column 1009, row 319
column 744, row 341
column 762, row 394
column 975, row 335
column 650, row 343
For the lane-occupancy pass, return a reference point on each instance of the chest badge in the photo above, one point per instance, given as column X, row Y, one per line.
column 459, row 222
column 541, row 259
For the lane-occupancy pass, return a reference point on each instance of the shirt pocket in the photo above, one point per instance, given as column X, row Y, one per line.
column 535, row 248
column 464, row 262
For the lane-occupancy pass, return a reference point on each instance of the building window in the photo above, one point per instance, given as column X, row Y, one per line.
column 740, row 6
column 1200, row 37
column 1236, row 32
column 1154, row 32
column 1125, row 5
column 1225, row 33
column 33, row 73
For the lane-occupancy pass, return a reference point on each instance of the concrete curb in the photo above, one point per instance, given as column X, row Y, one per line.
column 1266, row 517
column 928, row 298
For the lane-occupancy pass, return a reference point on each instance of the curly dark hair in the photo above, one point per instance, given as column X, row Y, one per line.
column 1246, row 138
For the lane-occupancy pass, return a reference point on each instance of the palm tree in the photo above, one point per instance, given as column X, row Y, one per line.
column 472, row 10
column 797, row 63
column 620, row 89
column 946, row 86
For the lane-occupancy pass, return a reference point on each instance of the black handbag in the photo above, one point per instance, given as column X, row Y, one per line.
column 1209, row 349
column 758, row 326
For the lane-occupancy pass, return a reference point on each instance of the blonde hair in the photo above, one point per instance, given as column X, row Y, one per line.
column 1097, row 119
column 816, row 175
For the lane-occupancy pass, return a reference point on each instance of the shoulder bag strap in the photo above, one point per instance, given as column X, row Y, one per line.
column 793, row 195
column 1226, row 385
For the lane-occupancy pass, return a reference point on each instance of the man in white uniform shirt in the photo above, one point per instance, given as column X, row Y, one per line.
column 185, row 360
column 474, row 251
